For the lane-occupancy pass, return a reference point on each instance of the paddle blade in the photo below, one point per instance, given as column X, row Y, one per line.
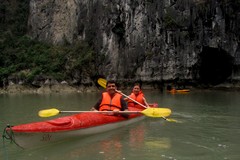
column 102, row 82
column 48, row 112
column 156, row 112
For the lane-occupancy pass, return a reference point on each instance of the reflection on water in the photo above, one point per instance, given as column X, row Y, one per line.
column 209, row 130
column 159, row 143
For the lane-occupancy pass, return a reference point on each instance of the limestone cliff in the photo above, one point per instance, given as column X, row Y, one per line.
column 148, row 40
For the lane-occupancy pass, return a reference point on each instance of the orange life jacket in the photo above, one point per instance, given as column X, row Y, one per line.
column 110, row 104
column 138, row 98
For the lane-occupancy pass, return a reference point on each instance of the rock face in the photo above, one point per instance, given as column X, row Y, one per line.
column 54, row 21
column 148, row 40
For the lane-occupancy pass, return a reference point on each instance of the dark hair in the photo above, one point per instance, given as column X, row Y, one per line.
column 138, row 84
column 111, row 81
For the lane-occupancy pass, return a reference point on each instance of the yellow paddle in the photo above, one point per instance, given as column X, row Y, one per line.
column 149, row 112
column 103, row 82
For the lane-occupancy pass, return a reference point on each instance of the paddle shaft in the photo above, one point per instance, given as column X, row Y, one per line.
column 144, row 106
column 166, row 119
column 131, row 99
column 121, row 112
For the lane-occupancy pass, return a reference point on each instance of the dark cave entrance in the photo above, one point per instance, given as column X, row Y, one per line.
column 215, row 66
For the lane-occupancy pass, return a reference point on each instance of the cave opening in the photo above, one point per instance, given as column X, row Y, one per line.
column 215, row 66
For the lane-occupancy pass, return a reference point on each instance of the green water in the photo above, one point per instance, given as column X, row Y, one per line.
column 209, row 128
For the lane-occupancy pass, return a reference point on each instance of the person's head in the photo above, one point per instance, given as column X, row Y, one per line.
column 111, row 87
column 136, row 88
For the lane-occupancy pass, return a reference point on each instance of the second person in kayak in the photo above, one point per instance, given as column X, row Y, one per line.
column 111, row 100
column 138, row 96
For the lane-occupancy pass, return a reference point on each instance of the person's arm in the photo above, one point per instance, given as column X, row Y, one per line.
column 97, row 105
column 145, row 101
column 124, row 104
column 124, row 108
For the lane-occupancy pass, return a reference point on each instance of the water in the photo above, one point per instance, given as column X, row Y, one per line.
column 208, row 128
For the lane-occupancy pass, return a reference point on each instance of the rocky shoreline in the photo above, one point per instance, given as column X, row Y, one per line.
column 46, row 89
column 66, row 89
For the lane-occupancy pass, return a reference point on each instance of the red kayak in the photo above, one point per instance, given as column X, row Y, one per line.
column 44, row 132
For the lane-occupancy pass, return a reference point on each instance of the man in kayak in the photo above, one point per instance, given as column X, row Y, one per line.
column 111, row 100
column 138, row 96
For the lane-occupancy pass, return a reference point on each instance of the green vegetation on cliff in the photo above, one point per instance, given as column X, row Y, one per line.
column 24, row 59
